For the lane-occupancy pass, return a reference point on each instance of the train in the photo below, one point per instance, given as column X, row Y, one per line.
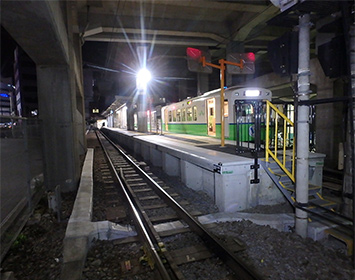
column 201, row 115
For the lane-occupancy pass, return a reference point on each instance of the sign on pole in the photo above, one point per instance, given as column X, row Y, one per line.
column 247, row 59
column 194, row 60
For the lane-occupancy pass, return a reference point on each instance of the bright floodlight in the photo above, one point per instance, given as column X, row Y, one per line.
column 252, row 92
column 143, row 77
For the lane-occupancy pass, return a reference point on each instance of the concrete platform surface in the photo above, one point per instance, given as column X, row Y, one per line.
column 227, row 178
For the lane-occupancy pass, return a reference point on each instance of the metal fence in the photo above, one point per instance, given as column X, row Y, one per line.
column 279, row 138
column 21, row 180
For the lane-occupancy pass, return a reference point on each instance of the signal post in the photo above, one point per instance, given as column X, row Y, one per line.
column 196, row 57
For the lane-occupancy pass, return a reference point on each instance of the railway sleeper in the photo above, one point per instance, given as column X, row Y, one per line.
column 151, row 197
column 191, row 254
column 138, row 184
column 109, row 187
column 143, row 190
column 164, row 218
column 174, row 231
column 134, row 180
column 155, row 206
column 131, row 175
column 130, row 171
column 108, row 182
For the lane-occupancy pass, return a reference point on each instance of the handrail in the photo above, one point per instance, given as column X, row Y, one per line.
column 274, row 154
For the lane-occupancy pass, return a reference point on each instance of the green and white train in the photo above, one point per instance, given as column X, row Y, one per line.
column 201, row 115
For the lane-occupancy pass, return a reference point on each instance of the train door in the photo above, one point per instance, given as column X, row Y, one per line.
column 211, row 117
column 248, row 125
column 167, row 119
column 226, row 118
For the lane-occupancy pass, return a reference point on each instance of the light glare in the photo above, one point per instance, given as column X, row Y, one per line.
column 252, row 92
column 143, row 77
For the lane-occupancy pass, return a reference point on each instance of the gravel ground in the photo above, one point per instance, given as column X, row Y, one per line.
column 282, row 255
column 37, row 252
column 199, row 201
column 106, row 260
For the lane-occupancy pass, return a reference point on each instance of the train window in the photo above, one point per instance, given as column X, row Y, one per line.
column 178, row 115
column 189, row 114
column 226, row 108
column 169, row 118
column 195, row 113
column 174, row 116
column 247, row 109
column 184, row 115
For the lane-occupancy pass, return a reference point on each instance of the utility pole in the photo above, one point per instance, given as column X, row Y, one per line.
column 302, row 141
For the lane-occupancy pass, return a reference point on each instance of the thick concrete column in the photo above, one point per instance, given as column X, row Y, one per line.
column 76, row 78
column 349, row 174
column 48, row 32
column 59, row 128
column 302, row 140
column 130, row 114
column 142, row 112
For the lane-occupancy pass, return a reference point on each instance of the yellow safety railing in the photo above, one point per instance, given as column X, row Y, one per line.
column 275, row 152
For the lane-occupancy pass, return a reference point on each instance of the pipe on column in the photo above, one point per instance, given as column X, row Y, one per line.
column 302, row 140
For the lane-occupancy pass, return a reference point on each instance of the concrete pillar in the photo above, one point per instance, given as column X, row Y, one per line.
column 130, row 118
column 349, row 174
column 302, row 138
column 142, row 113
column 76, row 80
column 57, row 111
column 89, row 93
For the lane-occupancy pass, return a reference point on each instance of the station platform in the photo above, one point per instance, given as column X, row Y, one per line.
column 206, row 142
column 203, row 165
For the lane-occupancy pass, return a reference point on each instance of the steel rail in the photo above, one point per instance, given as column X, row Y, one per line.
column 138, row 221
column 241, row 270
column 322, row 215
column 173, row 268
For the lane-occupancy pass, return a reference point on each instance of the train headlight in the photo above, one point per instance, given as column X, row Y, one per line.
column 252, row 92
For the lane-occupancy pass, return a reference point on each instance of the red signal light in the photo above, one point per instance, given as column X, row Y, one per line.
column 251, row 56
column 193, row 53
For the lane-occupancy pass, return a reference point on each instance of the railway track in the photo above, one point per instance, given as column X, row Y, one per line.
column 152, row 204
